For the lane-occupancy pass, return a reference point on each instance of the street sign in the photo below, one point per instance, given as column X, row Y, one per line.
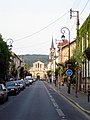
column 69, row 72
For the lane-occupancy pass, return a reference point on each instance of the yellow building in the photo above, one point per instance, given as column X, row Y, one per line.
column 63, row 51
column 63, row 54
column 38, row 70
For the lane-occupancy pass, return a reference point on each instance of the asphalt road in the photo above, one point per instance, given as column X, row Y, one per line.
column 39, row 102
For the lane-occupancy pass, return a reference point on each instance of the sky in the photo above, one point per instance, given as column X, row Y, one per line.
column 32, row 24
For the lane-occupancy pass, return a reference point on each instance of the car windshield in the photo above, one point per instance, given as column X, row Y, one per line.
column 20, row 82
column 10, row 84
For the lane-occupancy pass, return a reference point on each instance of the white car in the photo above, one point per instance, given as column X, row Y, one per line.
column 30, row 79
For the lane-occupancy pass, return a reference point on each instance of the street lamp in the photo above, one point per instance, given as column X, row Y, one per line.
column 9, row 43
column 63, row 37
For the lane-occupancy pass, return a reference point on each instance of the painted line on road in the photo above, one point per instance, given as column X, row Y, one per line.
column 74, row 104
column 52, row 99
column 50, row 96
column 55, row 105
column 60, row 112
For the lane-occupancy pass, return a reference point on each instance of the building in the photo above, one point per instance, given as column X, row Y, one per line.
column 38, row 70
column 63, row 55
column 52, row 60
column 62, row 46
column 17, row 61
column 15, row 64
column 84, row 43
column 65, row 51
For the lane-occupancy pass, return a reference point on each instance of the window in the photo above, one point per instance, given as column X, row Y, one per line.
column 38, row 65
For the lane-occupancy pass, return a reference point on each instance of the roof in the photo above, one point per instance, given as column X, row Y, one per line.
column 52, row 44
column 68, row 44
column 38, row 61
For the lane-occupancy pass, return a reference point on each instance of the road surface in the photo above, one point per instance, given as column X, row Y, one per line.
column 39, row 102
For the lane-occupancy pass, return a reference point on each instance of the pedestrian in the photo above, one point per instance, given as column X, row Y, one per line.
column 50, row 80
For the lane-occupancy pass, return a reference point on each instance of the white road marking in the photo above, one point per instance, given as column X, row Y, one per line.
column 55, row 105
column 50, row 96
column 52, row 100
column 60, row 112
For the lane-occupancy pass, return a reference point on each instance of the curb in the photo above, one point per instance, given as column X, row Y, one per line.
column 75, row 103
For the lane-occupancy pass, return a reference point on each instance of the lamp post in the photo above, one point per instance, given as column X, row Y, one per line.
column 9, row 43
column 63, row 37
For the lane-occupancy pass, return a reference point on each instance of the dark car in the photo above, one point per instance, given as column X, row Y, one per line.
column 12, row 87
column 3, row 93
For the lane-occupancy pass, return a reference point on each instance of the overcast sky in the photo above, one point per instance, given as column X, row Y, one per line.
column 31, row 24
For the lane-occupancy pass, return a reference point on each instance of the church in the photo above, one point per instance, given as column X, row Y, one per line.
column 38, row 70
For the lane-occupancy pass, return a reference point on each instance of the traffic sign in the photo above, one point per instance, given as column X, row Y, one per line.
column 69, row 72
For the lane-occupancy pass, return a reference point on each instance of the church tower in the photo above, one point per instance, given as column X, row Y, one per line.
column 52, row 52
column 52, row 59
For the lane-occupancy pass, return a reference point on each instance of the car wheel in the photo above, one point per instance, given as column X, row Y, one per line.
column 7, row 98
column 3, row 100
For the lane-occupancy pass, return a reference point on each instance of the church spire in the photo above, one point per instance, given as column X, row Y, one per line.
column 52, row 44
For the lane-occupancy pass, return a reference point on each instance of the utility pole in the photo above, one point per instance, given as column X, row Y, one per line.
column 72, row 14
column 77, row 24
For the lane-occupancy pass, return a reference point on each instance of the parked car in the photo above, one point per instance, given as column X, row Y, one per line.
column 3, row 93
column 13, row 87
column 34, row 79
column 27, row 82
column 29, row 79
column 21, row 84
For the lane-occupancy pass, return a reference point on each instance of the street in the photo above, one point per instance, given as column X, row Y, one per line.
column 39, row 102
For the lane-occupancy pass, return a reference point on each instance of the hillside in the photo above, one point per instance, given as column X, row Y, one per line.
column 29, row 59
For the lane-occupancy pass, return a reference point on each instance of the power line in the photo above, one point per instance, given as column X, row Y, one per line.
column 42, row 28
column 43, row 43
column 81, row 12
column 50, row 24
column 84, row 7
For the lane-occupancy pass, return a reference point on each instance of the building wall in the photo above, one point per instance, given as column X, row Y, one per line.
column 38, row 70
column 63, row 53
column 60, row 46
column 17, row 60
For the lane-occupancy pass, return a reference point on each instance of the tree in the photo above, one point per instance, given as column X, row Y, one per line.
column 60, row 69
column 22, row 73
column 14, row 72
column 4, row 58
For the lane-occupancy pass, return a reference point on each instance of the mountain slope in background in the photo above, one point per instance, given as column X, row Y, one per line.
column 30, row 59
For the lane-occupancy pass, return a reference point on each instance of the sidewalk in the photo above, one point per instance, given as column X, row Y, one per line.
column 80, row 101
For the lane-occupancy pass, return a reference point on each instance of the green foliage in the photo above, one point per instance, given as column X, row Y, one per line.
column 60, row 69
column 84, row 31
column 77, row 56
column 4, row 58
